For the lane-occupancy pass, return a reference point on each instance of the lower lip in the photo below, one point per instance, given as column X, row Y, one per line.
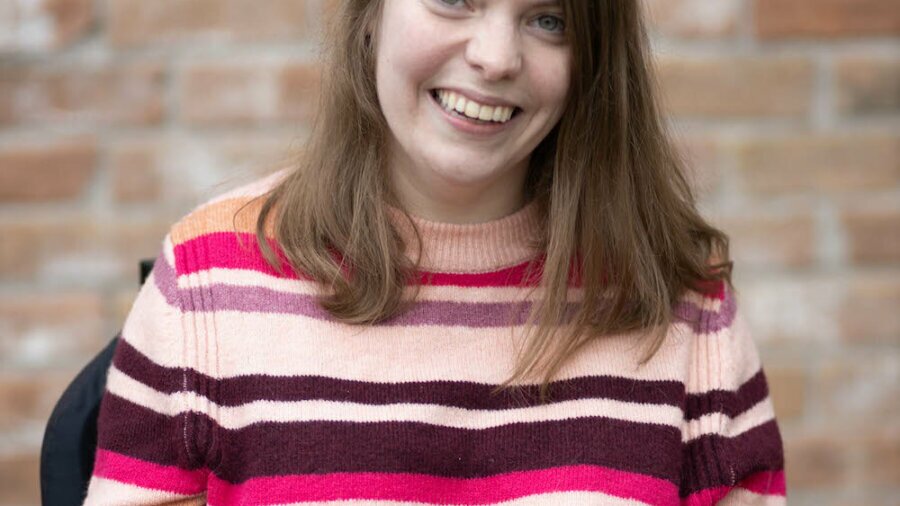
column 468, row 126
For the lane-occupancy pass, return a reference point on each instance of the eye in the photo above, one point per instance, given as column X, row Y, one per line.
column 451, row 3
column 551, row 23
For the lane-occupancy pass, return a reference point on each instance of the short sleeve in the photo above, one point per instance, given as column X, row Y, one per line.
column 732, row 447
column 150, row 449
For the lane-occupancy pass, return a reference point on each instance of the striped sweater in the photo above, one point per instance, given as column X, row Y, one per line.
column 230, row 385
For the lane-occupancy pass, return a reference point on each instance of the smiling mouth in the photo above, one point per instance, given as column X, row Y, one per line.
column 469, row 110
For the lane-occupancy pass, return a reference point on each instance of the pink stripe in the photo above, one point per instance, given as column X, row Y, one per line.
column 433, row 489
column 762, row 483
column 222, row 250
column 124, row 469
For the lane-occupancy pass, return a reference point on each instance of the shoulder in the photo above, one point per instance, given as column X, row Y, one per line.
column 708, row 307
column 212, row 230
column 233, row 211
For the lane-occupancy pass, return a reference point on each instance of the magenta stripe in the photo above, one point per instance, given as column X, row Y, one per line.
column 762, row 483
column 118, row 467
column 440, row 490
column 222, row 250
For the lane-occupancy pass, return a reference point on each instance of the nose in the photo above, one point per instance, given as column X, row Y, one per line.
column 494, row 49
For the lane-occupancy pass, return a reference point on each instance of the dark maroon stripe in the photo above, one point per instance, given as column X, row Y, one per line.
column 731, row 403
column 129, row 429
column 267, row 449
column 714, row 460
column 244, row 389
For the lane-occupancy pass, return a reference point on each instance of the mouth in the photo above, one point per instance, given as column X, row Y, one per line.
column 469, row 110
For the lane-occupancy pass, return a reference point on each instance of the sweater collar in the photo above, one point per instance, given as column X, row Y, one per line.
column 478, row 247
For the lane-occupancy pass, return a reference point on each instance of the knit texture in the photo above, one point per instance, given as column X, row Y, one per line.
column 231, row 385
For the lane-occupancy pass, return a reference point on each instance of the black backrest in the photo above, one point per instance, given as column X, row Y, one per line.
column 70, row 439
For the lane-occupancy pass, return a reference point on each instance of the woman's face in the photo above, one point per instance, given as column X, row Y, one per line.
column 505, row 64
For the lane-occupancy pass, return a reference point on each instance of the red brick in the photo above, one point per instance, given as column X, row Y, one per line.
column 249, row 93
column 787, row 386
column 19, row 479
column 826, row 18
column 818, row 163
column 736, row 86
column 70, row 95
column 694, row 18
column 764, row 240
column 72, row 19
column 870, row 313
column 868, row 86
column 30, row 397
column 47, row 171
column 881, row 447
column 873, row 234
column 138, row 22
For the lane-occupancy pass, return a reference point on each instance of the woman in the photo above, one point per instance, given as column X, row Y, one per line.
column 486, row 282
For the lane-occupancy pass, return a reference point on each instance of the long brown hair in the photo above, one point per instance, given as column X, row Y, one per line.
column 609, row 185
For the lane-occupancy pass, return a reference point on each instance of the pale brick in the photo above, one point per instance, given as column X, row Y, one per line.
column 182, row 171
column 46, row 171
column 694, row 18
column 870, row 312
column 764, row 240
column 859, row 389
column 818, row 163
column 126, row 94
column 873, row 234
column 249, row 93
column 817, row 460
column 826, row 18
column 58, row 329
column 138, row 22
column 41, row 25
column 736, row 86
column 702, row 167
column 868, row 86
column 19, row 479
column 135, row 175
column 789, row 392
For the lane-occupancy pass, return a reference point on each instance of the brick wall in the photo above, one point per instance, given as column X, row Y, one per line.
column 117, row 116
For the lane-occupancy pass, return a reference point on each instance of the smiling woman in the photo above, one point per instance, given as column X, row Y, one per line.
column 485, row 282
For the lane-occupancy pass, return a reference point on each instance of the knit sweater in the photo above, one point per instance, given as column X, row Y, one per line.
column 231, row 385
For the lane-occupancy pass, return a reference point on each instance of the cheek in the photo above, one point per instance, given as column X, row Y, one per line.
column 551, row 81
column 409, row 51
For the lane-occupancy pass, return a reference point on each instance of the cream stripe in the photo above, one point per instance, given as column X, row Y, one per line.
column 743, row 497
column 103, row 492
column 720, row 423
column 578, row 498
column 249, row 278
column 290, row 345
column 237, row 417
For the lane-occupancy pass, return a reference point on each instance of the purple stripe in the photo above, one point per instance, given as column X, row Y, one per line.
column 732, row 404
column 245, row 389
column 704, row 321
column 713, row 460
column 221, row 297
column 268, row 448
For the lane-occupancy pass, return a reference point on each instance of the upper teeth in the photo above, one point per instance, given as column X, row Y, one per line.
column 455, row 102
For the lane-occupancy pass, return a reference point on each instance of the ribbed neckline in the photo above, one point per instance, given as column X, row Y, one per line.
column 477, row 247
